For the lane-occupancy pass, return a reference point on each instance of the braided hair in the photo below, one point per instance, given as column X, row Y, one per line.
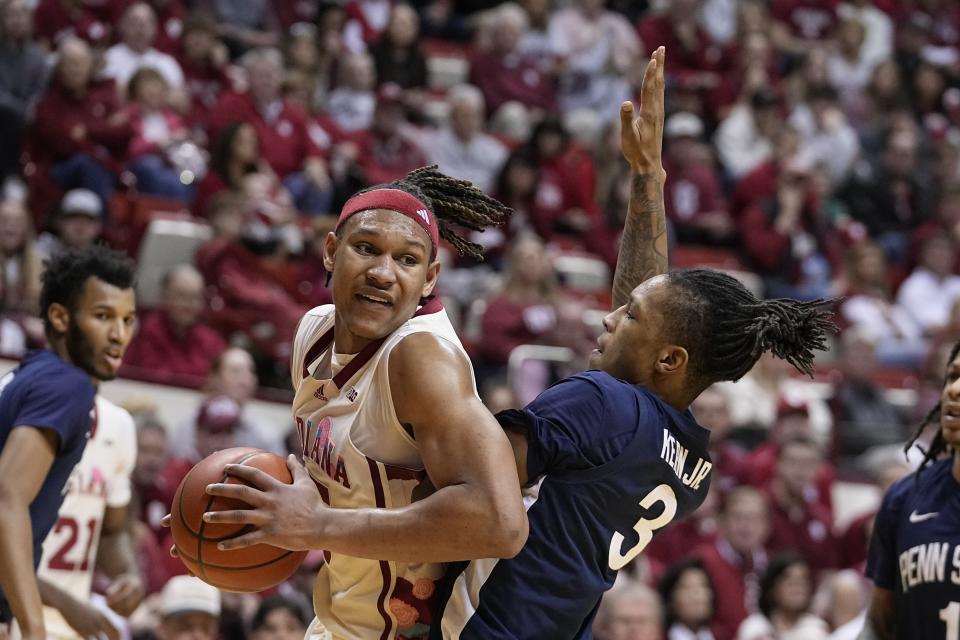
column 725, row 328
column 455, row 203
column 938, row 446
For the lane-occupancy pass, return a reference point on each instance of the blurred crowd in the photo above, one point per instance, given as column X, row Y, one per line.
column 812, row 148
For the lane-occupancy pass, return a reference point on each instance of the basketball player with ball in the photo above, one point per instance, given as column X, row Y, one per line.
column 405, row 467
column 46, row 404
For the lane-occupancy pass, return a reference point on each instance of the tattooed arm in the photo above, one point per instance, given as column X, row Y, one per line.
column 643, row 249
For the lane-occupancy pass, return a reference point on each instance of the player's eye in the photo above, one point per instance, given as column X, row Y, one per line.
column 365, row 248
column 409, row 260
column 101, row 315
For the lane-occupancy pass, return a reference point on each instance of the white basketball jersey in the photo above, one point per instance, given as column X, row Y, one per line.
column 100, row 480
column 362, row 457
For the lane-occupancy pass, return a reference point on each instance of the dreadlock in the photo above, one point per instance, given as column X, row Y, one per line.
column 454, row 202
column 726, row 329
column 938, row 445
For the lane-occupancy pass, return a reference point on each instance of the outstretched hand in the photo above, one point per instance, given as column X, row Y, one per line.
column 641, row 138
column 284, row 515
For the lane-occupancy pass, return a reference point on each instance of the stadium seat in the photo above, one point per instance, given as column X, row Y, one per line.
column 687, row 256
column 166, row 244
column 534, row 353
column 583, row 274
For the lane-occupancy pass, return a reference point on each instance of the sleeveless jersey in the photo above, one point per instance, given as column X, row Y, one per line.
column 361, row 457
column 915, row 553
column 100, row 480
column 610, row 464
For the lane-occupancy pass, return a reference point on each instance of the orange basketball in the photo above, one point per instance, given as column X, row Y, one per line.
column 255, row 568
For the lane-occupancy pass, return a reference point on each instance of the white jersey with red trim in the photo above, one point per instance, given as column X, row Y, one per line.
column 100, row 480
column 361, row 457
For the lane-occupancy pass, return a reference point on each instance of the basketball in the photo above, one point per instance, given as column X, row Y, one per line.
column 255, row 568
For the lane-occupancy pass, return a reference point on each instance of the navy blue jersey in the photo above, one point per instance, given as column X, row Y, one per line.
column 48, row 393
column 915, row 553
column 610, row 465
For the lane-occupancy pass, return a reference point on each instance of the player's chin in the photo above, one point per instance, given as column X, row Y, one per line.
column 950, row 429
column 595, row 360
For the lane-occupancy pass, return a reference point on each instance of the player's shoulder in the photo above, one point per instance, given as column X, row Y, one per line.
column 314, row 318
column 42, row 369
column 904, row 490
column 114, row 420
column 409, row 354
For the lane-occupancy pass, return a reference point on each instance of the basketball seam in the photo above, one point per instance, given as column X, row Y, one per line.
column 246, row 567
column 203, row 523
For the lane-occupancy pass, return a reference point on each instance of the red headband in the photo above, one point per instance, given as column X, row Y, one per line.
column 395, row 200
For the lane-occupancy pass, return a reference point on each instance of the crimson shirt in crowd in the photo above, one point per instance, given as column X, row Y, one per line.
column 811, row 535
column 508, row 324
column 168, row 356
column 60, row 111
column 762, row 462
column 284, row 140
column 385, row 159
column 656, row 31
column 513, row 77
column 807, row 19
column 736, row 583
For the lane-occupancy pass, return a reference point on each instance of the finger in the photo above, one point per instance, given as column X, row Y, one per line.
column 297, row 470
column 105, row 627
column 626, row 116
column 237, row 516
column 165, row 521
column 242, row 492
column 242, row 542
column 252, row 475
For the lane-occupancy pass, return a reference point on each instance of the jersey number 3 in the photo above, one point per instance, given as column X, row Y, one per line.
column 644, row 527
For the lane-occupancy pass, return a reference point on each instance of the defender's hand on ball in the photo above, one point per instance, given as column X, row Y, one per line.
column 285, row 515
column 641, row 138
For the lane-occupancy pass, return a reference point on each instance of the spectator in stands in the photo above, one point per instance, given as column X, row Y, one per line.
column 21, row 262
column 798, row 520
column 870, row 307
column 864, row 418
column 535, row 41
column 203, row 59
column 931, row 290
column 462, row 149
column 826, row 137
column 878, row 28
column 387, row 152
column 78, row 223
column 245, row 25
column 786, row 238
column 153, row 455
column 736, row 559
column 630, row 612
column 235, row 153
column 851, row 65
column 754, row 68
column 170, row 22
column 786, row 590
column 281, row 129
column 713, row 412
column 233, row 375
column 517, row 186
column 397, row 55
column 55, row 20
column 504, row 74
column 689, row 601
column 352, row 103
column 847, row 599
column 172, row 343
column 138, row 30
column 697, row 530
column 189, row 608
column 23, row 76
column 599, row 47
column 279, row 618
column 693, row 196
column 799, row 23
column 891, row 197
column 694, row 58
column 793, row 421
column 366, row 20
column 159, row 135
column 746, row 137
column 524, row 311
column 79, row 127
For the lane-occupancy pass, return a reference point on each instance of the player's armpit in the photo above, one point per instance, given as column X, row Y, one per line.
column 24, row 463
column 464, row 449
column 880, row 617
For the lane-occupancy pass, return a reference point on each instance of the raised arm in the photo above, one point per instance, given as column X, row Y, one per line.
column 475, row 512
column 643, row 248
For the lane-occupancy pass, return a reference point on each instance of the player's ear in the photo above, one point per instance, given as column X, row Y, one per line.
column 433, row 272
column 59, row 317
column 329, row 250
column 672, row 359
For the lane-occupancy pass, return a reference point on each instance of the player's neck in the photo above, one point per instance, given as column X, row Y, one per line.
column 956, row 467
column 59, row 347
